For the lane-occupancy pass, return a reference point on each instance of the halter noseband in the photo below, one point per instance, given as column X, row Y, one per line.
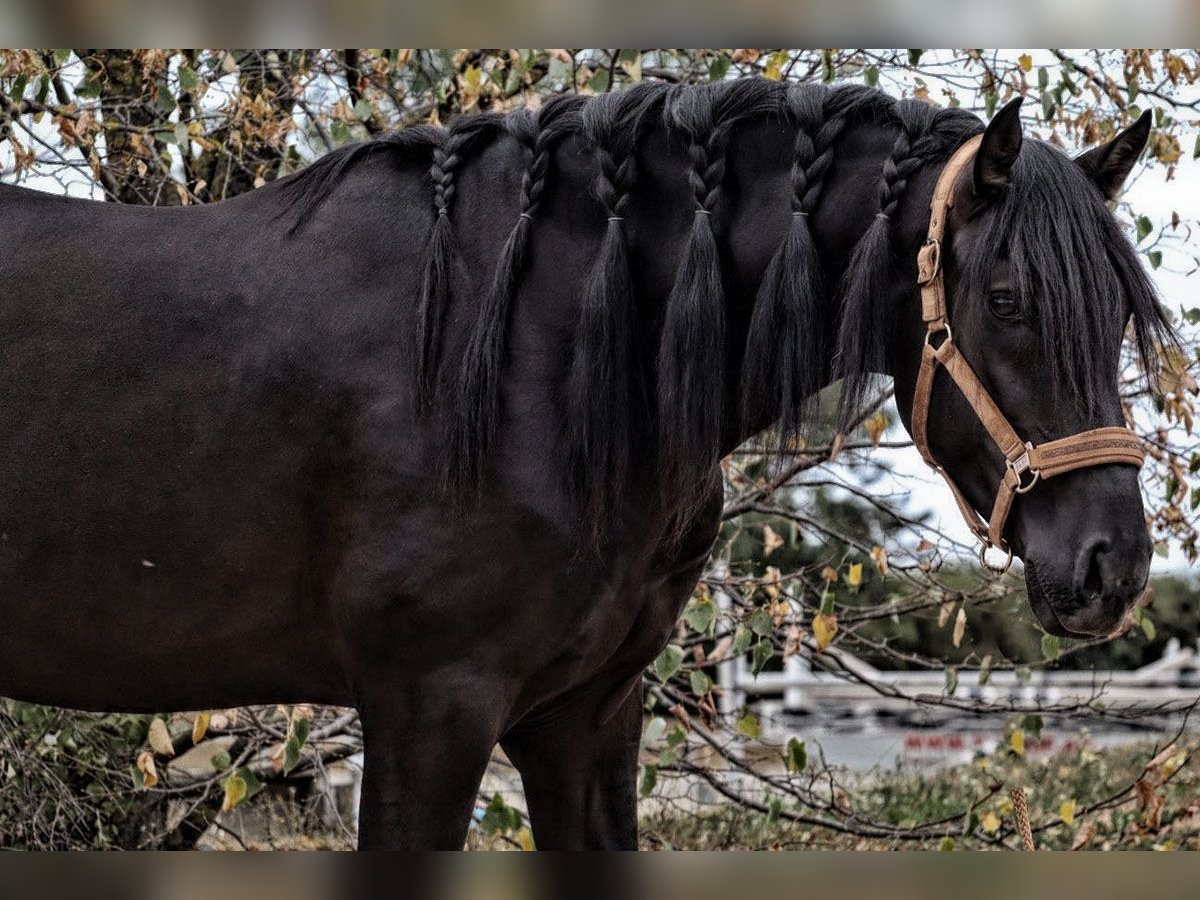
column 1025, row 464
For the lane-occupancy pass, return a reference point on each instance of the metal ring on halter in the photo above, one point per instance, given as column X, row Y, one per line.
column 985, row 546
column 1020, row 466
column 945, row 327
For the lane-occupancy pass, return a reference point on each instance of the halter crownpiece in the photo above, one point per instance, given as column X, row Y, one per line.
column 1025, row 464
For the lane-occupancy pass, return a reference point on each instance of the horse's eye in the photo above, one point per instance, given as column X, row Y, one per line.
column 1003, row 305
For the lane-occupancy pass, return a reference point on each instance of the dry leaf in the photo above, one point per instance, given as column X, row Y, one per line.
column 1025, row 61
column 990, row 822
column 880, row 558
column 145, row 765
column 824, row 628
column 960, row 626
column 771, row 540
column 944, row 612
column 829, row 574
column 199, row 727
column 160, row 738
column 1083, row 837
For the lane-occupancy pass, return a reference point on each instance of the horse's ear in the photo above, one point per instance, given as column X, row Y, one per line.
column 1109, row 164
column 998, row 152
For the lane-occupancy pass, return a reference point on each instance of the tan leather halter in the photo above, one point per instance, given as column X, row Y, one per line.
column 1025, row 464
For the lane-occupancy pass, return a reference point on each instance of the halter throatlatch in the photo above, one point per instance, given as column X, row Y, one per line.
column 1025, row 464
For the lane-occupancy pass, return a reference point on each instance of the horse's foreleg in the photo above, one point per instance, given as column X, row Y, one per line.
column 579, row 768
column 425, row 754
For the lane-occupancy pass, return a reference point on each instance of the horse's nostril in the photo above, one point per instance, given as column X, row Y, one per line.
column 1093, row 571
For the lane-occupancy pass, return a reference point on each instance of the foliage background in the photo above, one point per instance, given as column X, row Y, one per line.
column 823, row 545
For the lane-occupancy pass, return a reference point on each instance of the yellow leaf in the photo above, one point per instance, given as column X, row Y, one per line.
column 960, row 626
column 876, row 426
column 1025, row 61
column 1016, row 741
column 824, row 627
column 854, row 576
column 199, row 727
column 145, row 765
column 525, row 839
column 235, row 792
column 160, row 738
column 771, row 540
column 880, row 558
column 990, row 822
column 1066, row 812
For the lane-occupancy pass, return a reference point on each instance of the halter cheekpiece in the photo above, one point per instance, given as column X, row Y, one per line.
column 1025, row 464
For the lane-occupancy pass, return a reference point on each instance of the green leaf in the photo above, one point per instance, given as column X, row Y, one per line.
column 363, row 111
column 774, row 808
column 18, row 87
column 599, row 82
column 649, row 780
column 655, row 729
column 871, row 76
column 827, row 602
column 748, row 726
column 1048, row 105
column 985, row 670
column 1050, row 646
column 1144, row 622
column 761, row 622
column 1032, row 724
column 990, row 99
column 297, row 735
column 165, row 100
column 914, row 57
column 221, row 760
column 500, row 818
column 741, row 640
column 951, row 682
column 1043, row 78
column 719, row 68
column 763, row 651
column 797, row 755
column 188, row 80
column 701, row 683
column 339, row 131
column 1143, row 228
column 668, row 662
column 700, row 615
column 1155, row 257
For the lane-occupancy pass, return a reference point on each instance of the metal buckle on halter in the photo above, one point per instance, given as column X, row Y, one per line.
column 944, row 329
column 985, row 546
column 1020, row 466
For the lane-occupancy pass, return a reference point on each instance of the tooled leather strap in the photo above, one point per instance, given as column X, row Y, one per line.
column 1025, row 464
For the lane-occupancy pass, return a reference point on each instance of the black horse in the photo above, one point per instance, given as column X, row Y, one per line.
column 432, row 428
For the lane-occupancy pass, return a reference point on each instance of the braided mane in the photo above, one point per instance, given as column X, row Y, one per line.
column 785, row 362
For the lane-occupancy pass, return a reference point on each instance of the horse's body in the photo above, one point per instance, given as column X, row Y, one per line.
column 217, row 488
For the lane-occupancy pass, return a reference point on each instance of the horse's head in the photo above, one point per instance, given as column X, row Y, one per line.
column 1040, row 284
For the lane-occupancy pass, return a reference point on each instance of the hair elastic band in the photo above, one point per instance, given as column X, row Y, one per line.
column 882, row 215
column 526, row 215
column 442, row 211
column 616, row 218
column 796, row 214
column 704, row 212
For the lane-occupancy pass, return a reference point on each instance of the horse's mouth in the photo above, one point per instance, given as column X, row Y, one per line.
column 1044, row 599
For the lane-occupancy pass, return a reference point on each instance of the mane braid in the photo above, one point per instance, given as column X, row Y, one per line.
column 434, row 299
column 599, row 385
column 477, row 410
column 691, row 362
column 866, row 318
